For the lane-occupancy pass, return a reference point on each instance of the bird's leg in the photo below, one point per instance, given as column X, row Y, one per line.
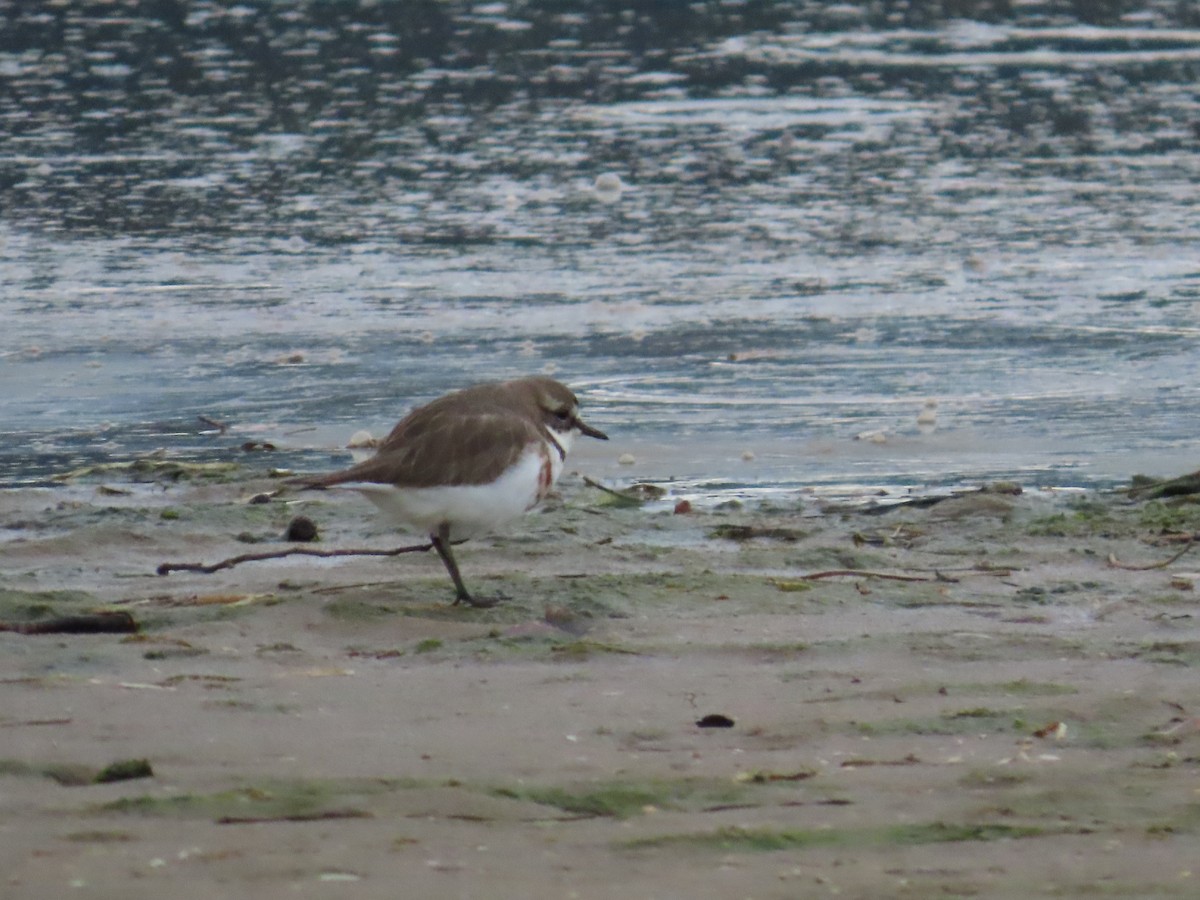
column 441, row 543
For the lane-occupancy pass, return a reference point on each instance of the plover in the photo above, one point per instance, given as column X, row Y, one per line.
column 469, row 462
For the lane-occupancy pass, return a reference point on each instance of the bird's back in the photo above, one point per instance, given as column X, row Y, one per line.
column 469, row 437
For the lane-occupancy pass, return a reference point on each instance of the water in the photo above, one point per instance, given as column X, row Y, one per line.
column 743, row 227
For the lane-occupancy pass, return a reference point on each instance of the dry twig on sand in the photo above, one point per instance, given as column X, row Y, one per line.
column 862, row 573
column 167, row 568
column 1115, row 563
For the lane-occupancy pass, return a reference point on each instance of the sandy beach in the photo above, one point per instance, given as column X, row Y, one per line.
column 961, row 700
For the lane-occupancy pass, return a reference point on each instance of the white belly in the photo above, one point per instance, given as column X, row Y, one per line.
column 470, row 510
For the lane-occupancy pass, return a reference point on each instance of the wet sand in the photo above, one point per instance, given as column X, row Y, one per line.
column 1020, row 721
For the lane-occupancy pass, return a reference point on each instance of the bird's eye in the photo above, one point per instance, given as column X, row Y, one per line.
column 563, row 415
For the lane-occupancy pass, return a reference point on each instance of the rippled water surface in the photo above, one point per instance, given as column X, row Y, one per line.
column 734, row 227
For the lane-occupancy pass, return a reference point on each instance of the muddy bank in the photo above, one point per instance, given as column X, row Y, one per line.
column 964, row 699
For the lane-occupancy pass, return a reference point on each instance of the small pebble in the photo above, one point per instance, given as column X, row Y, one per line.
column 626, row 459
column 301, row 530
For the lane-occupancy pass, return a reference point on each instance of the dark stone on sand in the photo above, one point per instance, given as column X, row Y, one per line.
column 301, row 529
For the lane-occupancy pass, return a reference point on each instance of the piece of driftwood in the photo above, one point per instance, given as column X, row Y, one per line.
column 85, row 623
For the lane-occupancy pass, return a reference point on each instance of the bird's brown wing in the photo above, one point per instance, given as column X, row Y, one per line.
column 436, row 446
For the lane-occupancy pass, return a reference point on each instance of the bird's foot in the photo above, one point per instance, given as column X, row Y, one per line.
column 480, row 602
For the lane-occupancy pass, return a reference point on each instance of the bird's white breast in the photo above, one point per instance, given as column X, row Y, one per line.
column 471, row 509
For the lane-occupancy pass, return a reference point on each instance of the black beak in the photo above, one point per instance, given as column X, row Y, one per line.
column 587, row 429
